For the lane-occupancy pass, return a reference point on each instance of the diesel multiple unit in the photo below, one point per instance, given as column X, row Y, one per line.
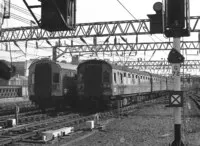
column 51, row 83
column 93, row 83
column 103, row 84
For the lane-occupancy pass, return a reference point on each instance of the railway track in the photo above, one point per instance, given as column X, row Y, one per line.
column 31, row 116
column 26, row 131
column 196, row 99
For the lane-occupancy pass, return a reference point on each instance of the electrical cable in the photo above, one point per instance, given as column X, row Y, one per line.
column 22, row 10
column 126, row 9
column 136, row 19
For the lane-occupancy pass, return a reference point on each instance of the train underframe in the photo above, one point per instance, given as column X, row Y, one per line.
column 110, row 102
column 125, row 100
column 57, row 102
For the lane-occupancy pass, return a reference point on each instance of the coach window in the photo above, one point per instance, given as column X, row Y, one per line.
column 115, row 78
column 121, row 78
column 56, row 77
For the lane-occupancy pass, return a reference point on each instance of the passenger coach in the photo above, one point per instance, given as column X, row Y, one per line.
column 102, row 84
column 50, row 83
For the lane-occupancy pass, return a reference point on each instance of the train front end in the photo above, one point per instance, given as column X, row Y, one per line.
column 94, row 84
column 44, row 83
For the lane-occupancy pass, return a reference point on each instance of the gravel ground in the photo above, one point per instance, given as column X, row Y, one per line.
column 148, row 126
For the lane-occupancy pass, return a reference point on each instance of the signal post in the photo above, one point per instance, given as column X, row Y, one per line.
column 176, row 25
column 172, row 19
column 177, row 105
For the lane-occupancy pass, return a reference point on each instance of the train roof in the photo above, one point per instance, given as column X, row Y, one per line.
column 99, row 61
column 123, row 68
column 61, row 65
column 114, row 66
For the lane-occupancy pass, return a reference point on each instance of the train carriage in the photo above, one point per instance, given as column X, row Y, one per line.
column 129, row 81
column 50, row 83
column 103, row 84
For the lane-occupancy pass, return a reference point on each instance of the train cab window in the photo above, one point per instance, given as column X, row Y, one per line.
column 56, row 77
column 115, row 79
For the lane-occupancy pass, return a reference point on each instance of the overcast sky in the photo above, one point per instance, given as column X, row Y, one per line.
column 107, row 10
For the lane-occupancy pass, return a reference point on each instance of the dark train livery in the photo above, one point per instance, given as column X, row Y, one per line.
column 102, row 84
column 51, row 83
column 98, row 84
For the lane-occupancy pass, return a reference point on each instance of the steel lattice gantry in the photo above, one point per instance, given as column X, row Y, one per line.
column 127, row 47
column 98, row 29
column 161, row 65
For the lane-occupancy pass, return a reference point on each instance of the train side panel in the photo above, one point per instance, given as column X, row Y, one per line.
column 125, row 82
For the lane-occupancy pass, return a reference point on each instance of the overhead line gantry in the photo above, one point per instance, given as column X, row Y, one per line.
column 97, row 29
column 160, row 65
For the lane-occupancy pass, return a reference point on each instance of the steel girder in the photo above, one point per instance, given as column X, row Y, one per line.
column 160, row 65
column 127, row 48
column 98, row 29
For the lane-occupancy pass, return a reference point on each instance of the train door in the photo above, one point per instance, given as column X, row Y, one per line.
column 43, row 80
column 92, row 79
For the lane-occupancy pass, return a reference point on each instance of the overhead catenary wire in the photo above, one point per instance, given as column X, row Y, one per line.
column 22, row 10
column 137, row 19
column 127, row 10
column 18, row 17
